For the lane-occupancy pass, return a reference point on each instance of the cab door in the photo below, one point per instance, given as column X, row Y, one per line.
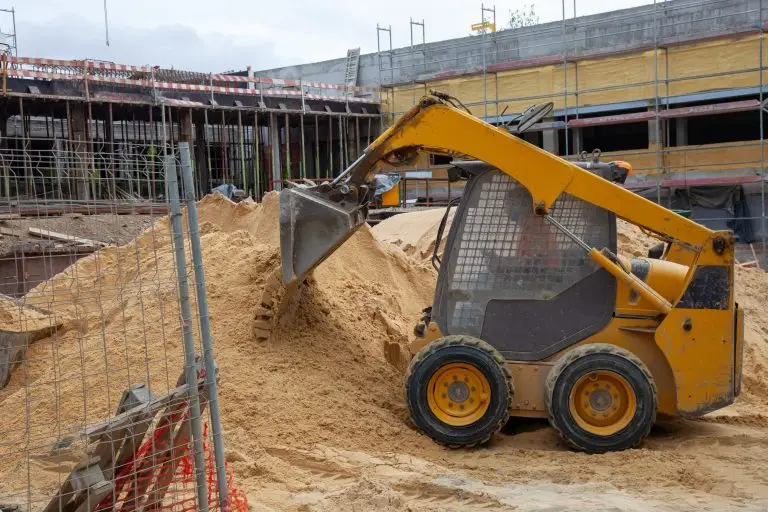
column 512, row 279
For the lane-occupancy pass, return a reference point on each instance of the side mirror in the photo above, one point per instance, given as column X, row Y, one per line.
column 533, row 115
column 456, row 174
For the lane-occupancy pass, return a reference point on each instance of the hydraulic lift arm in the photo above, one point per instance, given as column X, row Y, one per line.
column 314, row 222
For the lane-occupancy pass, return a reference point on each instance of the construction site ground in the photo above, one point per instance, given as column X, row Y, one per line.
column 107, row 228
column 313, row 411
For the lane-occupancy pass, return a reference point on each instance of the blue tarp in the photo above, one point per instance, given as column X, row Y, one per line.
column 227, row 190
column 386, row 182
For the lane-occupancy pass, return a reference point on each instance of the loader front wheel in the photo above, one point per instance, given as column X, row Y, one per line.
column 601, row 398
column 459, row 391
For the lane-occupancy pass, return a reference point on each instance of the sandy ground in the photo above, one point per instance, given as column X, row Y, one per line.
column 112, row 229
column 314, row 417
column 686, row 465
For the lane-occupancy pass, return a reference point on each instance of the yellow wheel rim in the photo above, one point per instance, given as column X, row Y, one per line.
column 602, row 402
column 458, row 394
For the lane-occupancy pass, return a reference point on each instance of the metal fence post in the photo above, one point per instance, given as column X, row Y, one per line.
column 205, row 324
column 190, row 371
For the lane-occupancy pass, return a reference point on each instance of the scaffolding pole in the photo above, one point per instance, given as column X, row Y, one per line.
column 256, row 158
column 317, row 147
column 303, row 169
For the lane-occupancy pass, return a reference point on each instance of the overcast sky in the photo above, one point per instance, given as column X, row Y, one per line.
column 202, row 35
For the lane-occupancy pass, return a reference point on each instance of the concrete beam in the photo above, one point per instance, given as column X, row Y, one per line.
column 681, row 131
column 551, row 140
column 185, row 120
column 655, row 132
column 77, row 122
column 273, row 143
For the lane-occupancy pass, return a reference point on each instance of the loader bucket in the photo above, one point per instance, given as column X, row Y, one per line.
column 312, row 226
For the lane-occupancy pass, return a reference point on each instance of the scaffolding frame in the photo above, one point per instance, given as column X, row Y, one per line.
column 572, row 95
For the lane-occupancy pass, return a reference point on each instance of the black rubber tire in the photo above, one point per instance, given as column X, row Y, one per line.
column 459, row 349
column 588, row 358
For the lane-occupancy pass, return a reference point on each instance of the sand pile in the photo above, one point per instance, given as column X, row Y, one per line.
column 321, row 378
column 17, row 316
column 415, row 233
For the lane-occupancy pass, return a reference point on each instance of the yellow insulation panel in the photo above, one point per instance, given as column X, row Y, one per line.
column 732, row 56
column 520, row 88
column 624, row 77
column 404, row 97
column 470, row 89
column 709, row 157
column 620, row 78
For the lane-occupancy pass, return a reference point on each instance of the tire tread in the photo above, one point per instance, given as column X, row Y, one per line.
column 578, row 353
column 469, row 341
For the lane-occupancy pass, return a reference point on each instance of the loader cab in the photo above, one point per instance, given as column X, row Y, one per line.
column 512, row 279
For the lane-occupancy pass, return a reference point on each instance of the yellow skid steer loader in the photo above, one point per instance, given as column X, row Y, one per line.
column 534, row 315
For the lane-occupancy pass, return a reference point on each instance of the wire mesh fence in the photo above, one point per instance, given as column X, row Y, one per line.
column 107, row 385
column 54, row 169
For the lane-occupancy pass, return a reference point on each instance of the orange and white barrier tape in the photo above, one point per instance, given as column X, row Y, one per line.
column 148, row 83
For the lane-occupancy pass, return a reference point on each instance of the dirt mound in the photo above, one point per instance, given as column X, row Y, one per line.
column 321, row 378
column 415, row 233
column 17, row 316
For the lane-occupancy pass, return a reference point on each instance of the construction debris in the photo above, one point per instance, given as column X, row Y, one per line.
column 62, row 237
column 11, row 232
column 135, row 455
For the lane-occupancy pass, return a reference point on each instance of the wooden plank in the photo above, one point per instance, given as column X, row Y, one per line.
column 142, row 476
column 754, row 255
column 65, row 499
column 63, row 237
column 134, row 435
column 179, row 446
column 94, row 495
column 62, row 497
column 57, row 210
column 10, row 232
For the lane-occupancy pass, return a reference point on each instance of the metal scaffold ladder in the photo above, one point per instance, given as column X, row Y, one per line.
column 350, row 76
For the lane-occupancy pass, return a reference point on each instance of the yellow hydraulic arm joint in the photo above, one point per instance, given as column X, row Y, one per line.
column 645, row 291
column 613, row 265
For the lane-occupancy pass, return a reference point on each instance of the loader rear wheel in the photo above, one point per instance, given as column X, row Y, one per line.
column 459, row 391
column 601, row 398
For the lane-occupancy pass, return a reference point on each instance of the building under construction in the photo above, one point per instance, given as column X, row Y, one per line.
column 676, row 88
column 79, row 130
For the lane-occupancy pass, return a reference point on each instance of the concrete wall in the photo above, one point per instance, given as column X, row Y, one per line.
column 668, row 22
